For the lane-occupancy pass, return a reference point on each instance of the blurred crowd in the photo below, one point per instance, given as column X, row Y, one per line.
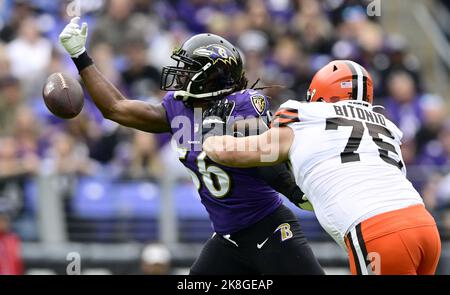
column 283, row 43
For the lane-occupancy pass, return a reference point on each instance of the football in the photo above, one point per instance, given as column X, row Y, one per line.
column 63, row 95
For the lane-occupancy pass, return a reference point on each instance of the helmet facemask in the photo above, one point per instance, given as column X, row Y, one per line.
column 187, row 70
column 208, row 68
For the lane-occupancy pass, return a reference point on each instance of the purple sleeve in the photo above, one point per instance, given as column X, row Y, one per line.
column 170, row 105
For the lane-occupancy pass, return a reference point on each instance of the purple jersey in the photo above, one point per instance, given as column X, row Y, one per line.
column 235, row 198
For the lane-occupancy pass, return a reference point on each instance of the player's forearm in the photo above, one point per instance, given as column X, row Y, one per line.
column 215, row 148
column 241, row 152
column 104, row 94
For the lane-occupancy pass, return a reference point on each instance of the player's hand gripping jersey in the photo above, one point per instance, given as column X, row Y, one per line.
column 347, row 160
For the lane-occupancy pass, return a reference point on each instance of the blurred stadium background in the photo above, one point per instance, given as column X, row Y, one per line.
column 118, row 198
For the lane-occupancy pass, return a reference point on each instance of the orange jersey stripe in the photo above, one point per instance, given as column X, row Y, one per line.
column 285, row 116
column 286, row 112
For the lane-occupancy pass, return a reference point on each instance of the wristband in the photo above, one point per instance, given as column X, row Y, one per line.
column 83, row 61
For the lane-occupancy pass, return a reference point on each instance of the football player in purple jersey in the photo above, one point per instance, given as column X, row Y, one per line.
column 254, row 232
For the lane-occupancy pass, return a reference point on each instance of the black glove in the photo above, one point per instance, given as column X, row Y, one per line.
column 215, row 118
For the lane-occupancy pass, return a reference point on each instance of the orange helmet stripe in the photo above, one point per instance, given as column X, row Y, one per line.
column 354, row 80
column 359, row 81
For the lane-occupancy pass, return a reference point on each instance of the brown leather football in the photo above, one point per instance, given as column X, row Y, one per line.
column 63, row 95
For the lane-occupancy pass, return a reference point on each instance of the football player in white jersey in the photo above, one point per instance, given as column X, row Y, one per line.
column 346, row 158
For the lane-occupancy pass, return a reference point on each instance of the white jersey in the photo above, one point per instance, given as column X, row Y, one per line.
column 347, row 160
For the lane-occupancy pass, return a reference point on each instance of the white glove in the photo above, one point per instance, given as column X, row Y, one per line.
column 73, row 39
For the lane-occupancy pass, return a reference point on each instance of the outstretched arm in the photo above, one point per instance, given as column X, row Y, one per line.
column 109, row 100
column 114, row 106
column 271, row 147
